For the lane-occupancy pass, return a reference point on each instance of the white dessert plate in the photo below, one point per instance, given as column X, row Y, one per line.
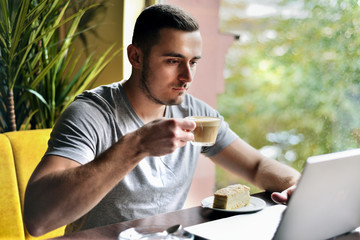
column 256, row 204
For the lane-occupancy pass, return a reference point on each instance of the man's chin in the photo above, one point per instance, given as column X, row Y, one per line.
column 176, row 101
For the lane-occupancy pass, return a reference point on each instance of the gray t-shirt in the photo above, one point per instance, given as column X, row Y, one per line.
column 99, row 118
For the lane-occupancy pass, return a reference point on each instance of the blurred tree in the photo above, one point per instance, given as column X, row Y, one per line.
column 298, row 76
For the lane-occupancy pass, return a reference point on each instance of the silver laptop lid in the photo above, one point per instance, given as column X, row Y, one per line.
column 326, row 202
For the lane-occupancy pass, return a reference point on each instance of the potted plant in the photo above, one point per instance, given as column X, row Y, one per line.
column 39, row 73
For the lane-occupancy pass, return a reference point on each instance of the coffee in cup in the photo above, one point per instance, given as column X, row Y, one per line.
column 206, row 130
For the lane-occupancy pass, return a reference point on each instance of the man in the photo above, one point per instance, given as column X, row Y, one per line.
column 122, row 151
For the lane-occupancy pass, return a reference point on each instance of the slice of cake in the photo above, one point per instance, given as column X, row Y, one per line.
column 232, row 197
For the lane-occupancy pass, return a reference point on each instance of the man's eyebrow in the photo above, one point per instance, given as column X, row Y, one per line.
column 178, row 55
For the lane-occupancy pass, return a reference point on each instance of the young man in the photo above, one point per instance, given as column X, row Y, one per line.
column 122, row 151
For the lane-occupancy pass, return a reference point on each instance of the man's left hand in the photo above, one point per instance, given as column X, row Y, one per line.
column 284, row 196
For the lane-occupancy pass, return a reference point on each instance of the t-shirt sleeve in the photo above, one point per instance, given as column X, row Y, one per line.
column 77, row 133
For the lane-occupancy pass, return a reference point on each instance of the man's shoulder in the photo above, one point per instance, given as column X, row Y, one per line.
column 104, row 91
column 103, row 95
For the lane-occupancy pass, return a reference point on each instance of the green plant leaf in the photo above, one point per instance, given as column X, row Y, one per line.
column 91, row 73
column 5, row 24
column 38, row 95
column 46, row 70
column 25, row 126
column 19, row 26
column 36, row 61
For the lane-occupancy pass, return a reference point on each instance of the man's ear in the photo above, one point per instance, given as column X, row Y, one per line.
column 135, row 56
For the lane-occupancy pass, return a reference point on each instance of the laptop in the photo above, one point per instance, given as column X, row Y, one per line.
column 325, row 204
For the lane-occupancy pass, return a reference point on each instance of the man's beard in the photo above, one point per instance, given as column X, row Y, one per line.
column 144, row 85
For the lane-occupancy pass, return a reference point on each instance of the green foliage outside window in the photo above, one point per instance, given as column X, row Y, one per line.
column 40, row 72
column 295, row 85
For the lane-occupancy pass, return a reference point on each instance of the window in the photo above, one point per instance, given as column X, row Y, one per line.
column 292, row 78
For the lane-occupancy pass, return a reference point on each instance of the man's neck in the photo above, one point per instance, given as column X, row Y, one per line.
column 147, row 110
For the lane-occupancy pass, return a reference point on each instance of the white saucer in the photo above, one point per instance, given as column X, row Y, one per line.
column 256, row 204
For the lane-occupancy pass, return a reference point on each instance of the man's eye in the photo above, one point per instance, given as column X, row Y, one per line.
column 172, row 61
column 193, row 63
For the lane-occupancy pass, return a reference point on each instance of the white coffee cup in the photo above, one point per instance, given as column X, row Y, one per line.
column 206, row 130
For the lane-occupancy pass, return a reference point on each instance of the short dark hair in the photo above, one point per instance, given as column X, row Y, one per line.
column 159, row 16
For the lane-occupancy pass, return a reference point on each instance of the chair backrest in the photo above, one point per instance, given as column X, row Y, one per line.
column 11, row 224
column 28, row 149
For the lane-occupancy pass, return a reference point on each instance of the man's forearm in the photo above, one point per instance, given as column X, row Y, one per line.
column 274, row 176
column 60, row 197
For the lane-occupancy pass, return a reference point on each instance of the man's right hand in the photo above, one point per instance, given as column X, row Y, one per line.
column 164, row 136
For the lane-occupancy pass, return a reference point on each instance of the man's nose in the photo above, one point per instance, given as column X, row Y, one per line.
column 186, row 74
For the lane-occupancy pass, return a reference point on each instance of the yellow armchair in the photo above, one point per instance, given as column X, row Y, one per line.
column 11, row 225
column 20, row 152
